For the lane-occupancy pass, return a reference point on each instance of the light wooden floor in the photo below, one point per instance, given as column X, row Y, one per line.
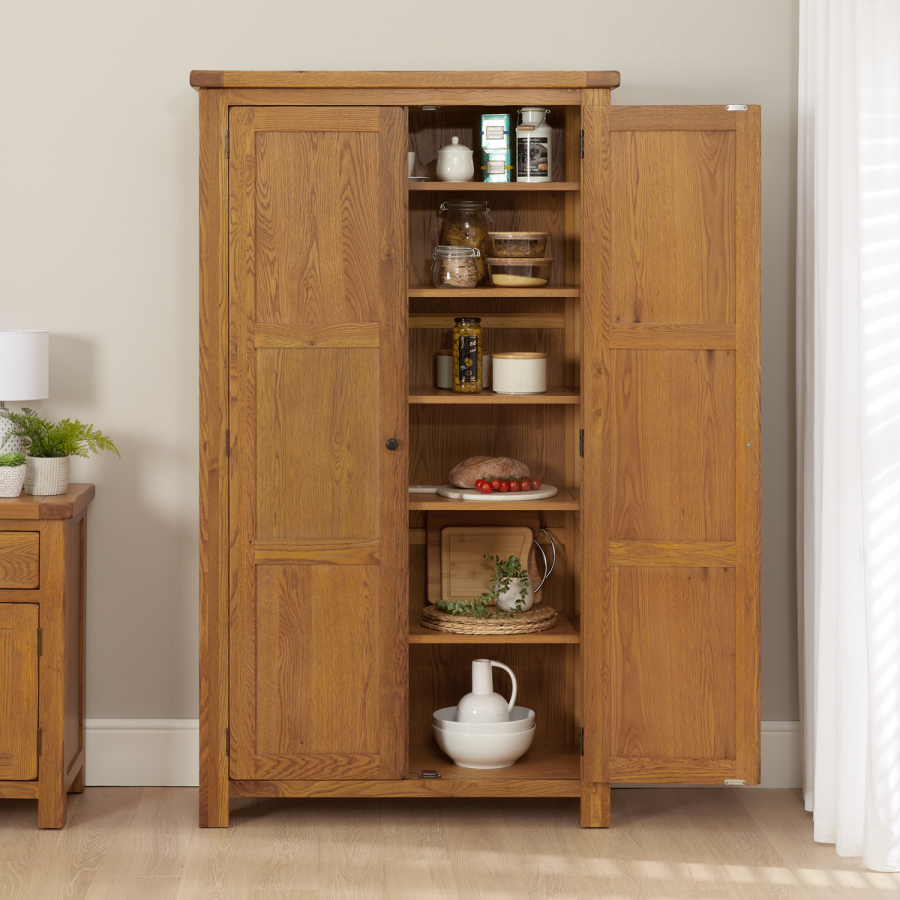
column 688, row 844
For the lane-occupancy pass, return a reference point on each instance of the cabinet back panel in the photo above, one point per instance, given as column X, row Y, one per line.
column 429, row 130
column 317, row 249
column 423, row 342
column 672, row 663
column 673, row 465
column 440, row 674
column 441, row 436
column 673, row 239
column 317, row 477
column 513, row 211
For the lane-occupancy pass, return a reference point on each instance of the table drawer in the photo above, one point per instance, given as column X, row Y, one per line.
column 19, row 559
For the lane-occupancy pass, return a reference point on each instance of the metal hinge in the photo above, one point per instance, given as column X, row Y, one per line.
column 734, row 107
column 227, row 144
column 40, row 740
column 228, row 742
column 40, row 641
column 582, row 742
column 582, row 144
column 227, row 444
column 581, row 443
column 735, row 782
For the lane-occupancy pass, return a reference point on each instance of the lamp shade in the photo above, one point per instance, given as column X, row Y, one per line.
column 24, row 365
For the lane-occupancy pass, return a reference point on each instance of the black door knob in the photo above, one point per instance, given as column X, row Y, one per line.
column 392, row 444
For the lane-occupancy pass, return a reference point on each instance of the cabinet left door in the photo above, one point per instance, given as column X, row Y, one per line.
column 318, row 386
column 18, row 691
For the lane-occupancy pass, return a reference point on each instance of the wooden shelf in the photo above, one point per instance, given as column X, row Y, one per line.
column 553, row 394
column 568, row 499
column 566, row 631
column 487, row 293
column 494, row 186
column 552, row 772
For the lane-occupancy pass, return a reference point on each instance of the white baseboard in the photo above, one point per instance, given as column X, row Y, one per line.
column 165, row 752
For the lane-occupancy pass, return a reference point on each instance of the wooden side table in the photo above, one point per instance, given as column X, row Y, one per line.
column 42, row 555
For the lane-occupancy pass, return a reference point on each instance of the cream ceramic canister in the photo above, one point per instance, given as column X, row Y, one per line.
column 454, row 162
column 520, row 373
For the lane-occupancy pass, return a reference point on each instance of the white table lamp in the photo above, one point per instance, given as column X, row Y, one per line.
column 24, row 375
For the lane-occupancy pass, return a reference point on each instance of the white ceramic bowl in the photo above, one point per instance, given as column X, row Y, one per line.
column 520, row 719
column 484, row 751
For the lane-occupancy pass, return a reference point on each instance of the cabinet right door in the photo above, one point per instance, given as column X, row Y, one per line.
column 671, row 469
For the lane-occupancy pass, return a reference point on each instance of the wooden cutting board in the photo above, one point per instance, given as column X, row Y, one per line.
column 465, row 573
column 437, row 521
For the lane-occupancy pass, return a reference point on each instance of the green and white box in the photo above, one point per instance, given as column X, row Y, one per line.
column 496, row 147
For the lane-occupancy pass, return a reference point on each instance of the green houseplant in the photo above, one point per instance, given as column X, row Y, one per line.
column 509, row 592
column 50, row 444
column 12, row 474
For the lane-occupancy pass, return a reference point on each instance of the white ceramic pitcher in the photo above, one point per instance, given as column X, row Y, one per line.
column 483, row 705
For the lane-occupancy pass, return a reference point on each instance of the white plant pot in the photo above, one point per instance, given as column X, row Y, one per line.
column 510, row 597
column 12, row 478
column 45, row 477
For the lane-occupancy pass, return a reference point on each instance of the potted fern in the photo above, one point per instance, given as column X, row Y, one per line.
column 12, row 474
column 49, row 447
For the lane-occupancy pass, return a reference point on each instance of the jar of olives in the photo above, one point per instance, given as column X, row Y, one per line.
column 466, row 224
column 467, row 353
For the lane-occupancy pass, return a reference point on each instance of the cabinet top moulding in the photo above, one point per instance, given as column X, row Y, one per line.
column 300, row 79
column 58, row 506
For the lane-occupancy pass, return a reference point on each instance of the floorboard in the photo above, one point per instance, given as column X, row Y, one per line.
column 664, row 844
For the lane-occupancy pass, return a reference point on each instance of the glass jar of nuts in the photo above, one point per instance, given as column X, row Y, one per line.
column 455, row 267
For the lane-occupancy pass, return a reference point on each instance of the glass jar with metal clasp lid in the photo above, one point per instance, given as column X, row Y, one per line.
column 466, row 223
column 455, row 267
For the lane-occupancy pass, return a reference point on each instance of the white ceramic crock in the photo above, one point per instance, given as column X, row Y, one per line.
column 12, row 478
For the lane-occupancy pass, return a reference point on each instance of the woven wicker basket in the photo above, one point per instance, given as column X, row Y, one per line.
column 537, row 619
column 11, row 480
column 46, row 477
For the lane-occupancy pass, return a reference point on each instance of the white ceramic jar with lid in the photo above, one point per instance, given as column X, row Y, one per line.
column 454, row 162
column 520, row 373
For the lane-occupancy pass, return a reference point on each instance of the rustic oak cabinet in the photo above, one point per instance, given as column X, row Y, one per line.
column 42, row 546
column 319, row 324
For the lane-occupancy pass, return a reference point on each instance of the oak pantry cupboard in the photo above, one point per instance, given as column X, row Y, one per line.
column 318, row 327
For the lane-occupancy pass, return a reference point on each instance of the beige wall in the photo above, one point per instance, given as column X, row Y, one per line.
column 98, row 243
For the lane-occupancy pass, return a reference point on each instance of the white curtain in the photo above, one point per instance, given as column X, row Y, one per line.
column 848, row 352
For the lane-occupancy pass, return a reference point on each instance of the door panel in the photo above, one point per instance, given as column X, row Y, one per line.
column 668, row 703
column 673, row 445
column 18, row 691
column 672, row 241
column 318, row 346
column 671, row 472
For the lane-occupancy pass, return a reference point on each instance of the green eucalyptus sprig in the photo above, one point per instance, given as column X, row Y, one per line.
column 49, row 440
column 12, row 459
column 480, row 607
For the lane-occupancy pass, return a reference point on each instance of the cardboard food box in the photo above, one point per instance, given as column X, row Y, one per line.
column 496, row 147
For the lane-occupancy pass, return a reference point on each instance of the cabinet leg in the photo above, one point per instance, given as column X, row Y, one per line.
column 52, row 809
column 594, row 805
column 77, row 786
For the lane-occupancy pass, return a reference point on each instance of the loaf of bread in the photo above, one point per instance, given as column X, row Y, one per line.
column 488, row 468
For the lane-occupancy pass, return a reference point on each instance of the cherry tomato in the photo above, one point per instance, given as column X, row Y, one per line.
column 495, row 484
column 485, row 487
column 478, row 484
column 504, row 487
column 513, row 486
column 525, row 484
column 535, row 483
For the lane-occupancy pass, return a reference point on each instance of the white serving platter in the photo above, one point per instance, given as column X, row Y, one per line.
column 544, row 492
